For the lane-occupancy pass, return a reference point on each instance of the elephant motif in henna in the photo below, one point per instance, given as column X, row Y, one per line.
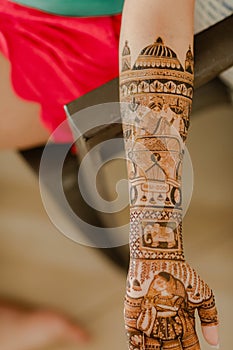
column 163, row 291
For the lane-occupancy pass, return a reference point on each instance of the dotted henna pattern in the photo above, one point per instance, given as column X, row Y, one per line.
column 163, row 291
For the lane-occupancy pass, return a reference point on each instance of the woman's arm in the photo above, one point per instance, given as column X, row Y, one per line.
column 156, row 87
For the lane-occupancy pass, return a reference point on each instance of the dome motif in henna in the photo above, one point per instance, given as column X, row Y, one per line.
column 158, row 49
column 158, row 55
column 158, row 72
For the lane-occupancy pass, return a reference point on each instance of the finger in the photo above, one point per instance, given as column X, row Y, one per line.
column 209, row 320
column 211, row 335
column 190, row 340
column 172, row 344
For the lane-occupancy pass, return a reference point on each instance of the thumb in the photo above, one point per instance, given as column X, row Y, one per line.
column 211, row 335
column 209, row 321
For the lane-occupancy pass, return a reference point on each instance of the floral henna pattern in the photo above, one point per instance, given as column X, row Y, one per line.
column 163, row 291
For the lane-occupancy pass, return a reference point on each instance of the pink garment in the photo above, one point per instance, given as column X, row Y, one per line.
column 56, row 59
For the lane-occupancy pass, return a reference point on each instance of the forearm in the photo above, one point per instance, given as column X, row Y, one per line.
column 156, row 90
column 157, row 74
column 145, row 20
column 156, row 61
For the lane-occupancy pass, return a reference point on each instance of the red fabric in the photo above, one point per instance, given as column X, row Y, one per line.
column 56, row 59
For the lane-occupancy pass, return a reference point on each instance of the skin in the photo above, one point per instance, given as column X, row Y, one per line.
column 18, row 116
column 156, row 86
column 36, row 329
column 45, row 327
column 144, row 23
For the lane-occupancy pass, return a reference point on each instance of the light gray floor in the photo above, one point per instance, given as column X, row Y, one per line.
column 40, row 266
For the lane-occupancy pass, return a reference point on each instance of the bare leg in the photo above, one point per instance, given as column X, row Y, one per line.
column 20, row 125
column 20, row 128
column 35, row 329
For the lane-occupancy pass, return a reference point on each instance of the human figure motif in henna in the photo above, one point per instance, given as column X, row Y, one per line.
column 163, row 291
column 161, row 308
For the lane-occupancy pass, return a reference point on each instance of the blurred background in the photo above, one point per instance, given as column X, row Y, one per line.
column 41, row 267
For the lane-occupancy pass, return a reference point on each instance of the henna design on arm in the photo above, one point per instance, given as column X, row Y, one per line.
column 163, row 291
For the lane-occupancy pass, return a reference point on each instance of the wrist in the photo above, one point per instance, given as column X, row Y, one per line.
column 156, row 233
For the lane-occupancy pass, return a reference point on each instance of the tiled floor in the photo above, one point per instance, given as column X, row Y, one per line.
column 40, row 266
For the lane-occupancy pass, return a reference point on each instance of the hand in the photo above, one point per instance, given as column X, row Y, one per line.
column 160, row 304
